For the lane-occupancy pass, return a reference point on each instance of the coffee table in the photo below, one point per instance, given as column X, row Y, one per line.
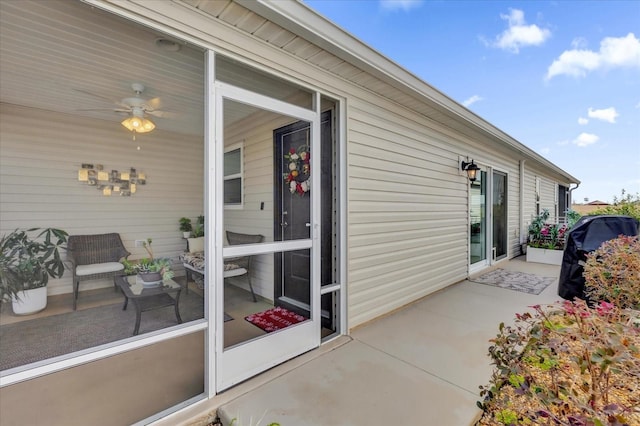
column 149, row 298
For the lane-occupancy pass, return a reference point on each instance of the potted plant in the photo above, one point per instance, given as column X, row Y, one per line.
column 198, row 229
column 185, row 227
column 546, row 241
column 152, row 271
column 26, row 263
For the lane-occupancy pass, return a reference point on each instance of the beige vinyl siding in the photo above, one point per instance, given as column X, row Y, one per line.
column 41, row 154
column 407, row 211
column 548, row 191
column 408, row 208
column 529, row 197
column 548, row 197
column 513, row 203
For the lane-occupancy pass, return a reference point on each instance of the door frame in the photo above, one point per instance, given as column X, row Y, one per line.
column 247, row 359
column 489, row 241
column 506, row 215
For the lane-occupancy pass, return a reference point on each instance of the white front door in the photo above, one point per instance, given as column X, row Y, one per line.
column 252, row 336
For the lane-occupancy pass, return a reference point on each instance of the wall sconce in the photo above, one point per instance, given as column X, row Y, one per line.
column 124, row 183
column 471, row 169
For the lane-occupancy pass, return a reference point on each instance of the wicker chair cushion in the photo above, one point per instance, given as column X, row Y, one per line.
column 98, row 268
column 196, row 261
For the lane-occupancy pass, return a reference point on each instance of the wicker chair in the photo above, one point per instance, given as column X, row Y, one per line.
column 94, row 257
column 245, row 261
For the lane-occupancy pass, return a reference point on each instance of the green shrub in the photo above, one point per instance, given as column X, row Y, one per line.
column 572, row 217
column 626, row 205
column 612, row 272
column 565, row 364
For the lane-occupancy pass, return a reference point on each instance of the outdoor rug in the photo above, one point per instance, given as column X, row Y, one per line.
column 512, row 280
column 274, row 319
column 42, row 338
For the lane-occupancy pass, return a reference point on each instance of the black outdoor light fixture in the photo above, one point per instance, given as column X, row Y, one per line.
column 471, row 169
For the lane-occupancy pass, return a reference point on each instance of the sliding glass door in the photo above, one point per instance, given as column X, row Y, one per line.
column 488, row 218
column 478, row 214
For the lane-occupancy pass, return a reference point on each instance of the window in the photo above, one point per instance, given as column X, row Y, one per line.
column 233, row 176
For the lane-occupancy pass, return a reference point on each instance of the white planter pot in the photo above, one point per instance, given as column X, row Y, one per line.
column 550, row 257
column 30, row 302
column 186, row 234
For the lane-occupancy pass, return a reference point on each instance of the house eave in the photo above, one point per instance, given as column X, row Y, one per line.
column 303, row 21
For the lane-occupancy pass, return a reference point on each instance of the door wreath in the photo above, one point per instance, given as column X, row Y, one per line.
column 298, row 176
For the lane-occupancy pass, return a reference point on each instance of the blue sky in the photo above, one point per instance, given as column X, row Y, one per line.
column 562, row 77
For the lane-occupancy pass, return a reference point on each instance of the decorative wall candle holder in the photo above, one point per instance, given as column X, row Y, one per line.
column 113, row 182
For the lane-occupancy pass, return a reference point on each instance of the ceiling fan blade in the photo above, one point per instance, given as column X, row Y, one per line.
column 105, row 109
column 163, row 114
column 154, row 103
column 112, row 101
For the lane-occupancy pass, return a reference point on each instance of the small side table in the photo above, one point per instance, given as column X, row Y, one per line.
column 149, row 298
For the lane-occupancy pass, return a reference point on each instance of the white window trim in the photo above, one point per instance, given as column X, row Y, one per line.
column 233, row 147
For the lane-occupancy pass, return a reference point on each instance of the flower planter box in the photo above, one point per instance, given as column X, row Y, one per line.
column 539, row 255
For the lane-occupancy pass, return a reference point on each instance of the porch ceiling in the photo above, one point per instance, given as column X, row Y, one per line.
column 54, row 53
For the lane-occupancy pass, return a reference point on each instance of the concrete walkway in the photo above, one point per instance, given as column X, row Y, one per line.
column 421, row 365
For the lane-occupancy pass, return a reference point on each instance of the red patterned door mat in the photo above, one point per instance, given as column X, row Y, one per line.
column 274, row 319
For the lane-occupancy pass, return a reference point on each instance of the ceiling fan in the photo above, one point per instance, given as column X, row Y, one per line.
column 136, row 107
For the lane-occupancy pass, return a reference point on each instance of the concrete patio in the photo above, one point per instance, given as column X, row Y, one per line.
column 421, row 365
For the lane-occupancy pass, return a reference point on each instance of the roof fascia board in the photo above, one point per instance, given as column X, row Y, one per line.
column 308, row 24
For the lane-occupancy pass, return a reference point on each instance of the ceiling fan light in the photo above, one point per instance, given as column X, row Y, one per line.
column 147, row 125
column 138, row 124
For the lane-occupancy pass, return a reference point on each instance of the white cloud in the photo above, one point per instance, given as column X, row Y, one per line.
column 607, row 114
column 579, row 43
column 545, row 151
column 582, row 121
column 614, row 52
column 405, row 5
column 585, row 139
column 472, row 100
column 519, row 34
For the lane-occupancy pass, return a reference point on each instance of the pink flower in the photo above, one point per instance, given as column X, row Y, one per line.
column 569, row 307
column 544, row 231
column 604, row 308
